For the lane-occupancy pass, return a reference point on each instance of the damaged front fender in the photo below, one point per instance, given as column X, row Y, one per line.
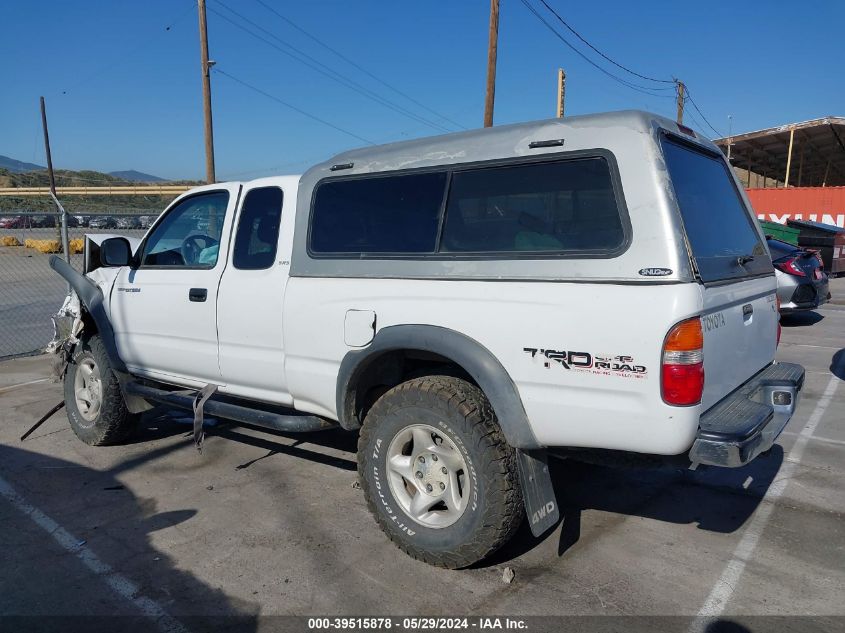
column 92, row 298
column 69, row 324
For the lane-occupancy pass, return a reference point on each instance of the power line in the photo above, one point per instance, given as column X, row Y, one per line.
column 694, row 120
column 292, row 107
column 321, row 68
column 143, row 45
column 235, row 175
column 615, row 63
column 359, row 67
column 639, row 88
column 689, row 97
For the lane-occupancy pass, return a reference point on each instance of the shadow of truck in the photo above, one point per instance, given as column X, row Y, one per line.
column 95, row 570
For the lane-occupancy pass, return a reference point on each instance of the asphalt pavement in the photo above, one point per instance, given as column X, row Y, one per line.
column 266, row 524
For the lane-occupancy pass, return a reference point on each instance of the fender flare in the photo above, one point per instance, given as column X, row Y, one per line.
column 466, row 352
column 92, row 298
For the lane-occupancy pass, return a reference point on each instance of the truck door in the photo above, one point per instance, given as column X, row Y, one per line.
column 249, row 304
column 164, row 309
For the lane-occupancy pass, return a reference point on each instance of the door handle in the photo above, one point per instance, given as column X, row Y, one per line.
column 747, row 313
column 198, row 294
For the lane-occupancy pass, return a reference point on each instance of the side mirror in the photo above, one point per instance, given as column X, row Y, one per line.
column 115, row 251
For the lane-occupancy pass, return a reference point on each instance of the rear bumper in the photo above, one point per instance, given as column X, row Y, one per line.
column 804, row 295
column 748, row 421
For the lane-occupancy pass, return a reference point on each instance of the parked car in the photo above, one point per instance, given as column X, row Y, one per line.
column 128, row 222
column 802, row 282
column 81, row 220
column 146, row 220
column 387, row 292
column 102, row 222
column 44, row 221
column 15, row 222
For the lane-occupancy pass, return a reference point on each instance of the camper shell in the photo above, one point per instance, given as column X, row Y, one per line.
column 467, row 303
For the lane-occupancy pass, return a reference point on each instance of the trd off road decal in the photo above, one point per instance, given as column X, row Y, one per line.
column 601, row 364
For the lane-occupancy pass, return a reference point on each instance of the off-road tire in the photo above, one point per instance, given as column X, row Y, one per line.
column 113, row 424
column 461, row 412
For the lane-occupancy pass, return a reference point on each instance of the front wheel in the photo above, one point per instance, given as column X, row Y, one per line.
column 440, row 479
column 95, row 407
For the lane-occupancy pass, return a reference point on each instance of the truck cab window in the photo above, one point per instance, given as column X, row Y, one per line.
column 258, row 229
column 378, row 214
column 189, row 234
column 562, row 206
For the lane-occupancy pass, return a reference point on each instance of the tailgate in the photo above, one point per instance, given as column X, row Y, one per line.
column 740, row 334
column 739, row 318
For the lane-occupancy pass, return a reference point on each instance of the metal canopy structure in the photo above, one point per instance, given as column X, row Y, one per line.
column 806, row 154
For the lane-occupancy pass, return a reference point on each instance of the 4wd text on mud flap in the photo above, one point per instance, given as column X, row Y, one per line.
column 542, row 512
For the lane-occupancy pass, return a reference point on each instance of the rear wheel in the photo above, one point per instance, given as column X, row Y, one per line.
column 440, row 479
column 95, row 407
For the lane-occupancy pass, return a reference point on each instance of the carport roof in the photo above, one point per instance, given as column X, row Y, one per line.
column 818, row 152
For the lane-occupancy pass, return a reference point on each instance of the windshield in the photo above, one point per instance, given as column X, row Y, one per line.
column 720, row 230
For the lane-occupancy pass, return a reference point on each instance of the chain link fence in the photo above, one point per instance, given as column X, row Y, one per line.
column 30, row 291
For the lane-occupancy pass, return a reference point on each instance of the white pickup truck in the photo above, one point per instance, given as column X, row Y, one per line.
column 468, row 303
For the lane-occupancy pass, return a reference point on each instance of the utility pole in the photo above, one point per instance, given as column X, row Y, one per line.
column 206, row 95
column 789, row 157
column 730, row 134
column 47, row 148
column 492, row 47
column 63, row 226
column 561, row 91
column 680, row 86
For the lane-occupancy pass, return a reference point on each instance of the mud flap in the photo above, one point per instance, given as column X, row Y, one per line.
column 537, row 491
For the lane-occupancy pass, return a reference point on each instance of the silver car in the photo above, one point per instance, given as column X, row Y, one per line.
column 802, row 282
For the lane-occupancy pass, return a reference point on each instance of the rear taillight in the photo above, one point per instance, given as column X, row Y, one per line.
column 790, row 266
column 682, row 372
column 777, row 301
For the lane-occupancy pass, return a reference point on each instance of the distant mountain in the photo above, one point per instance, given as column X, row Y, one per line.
column 18, row 166
column 130, row 175
column 135, row 176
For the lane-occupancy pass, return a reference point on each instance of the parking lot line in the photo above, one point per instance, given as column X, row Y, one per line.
column 816, row 438
column 24, row 384
column 121, row 585
column 724, row 588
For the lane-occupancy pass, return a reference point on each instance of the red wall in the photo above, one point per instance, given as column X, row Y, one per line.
column 819, row 204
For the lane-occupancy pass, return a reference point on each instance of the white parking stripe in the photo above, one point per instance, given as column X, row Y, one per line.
column 121, row 585
column 23, row 384
column 726, row 585
column 816, row 438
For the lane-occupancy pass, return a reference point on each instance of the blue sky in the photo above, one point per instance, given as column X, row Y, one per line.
column 123, row 90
